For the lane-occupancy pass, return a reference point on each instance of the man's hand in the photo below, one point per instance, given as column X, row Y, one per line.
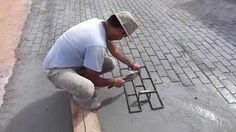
column 118, row 82
column 135, row 67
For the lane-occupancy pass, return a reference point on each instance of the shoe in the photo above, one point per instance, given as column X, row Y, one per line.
column 91, row 104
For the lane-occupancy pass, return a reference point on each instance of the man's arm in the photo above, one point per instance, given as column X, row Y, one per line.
column 118, row 54
column 102, row 82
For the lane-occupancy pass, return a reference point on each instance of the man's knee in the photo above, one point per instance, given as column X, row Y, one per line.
column 87, row 91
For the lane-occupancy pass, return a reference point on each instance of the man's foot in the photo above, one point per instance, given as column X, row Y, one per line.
column 91, row 104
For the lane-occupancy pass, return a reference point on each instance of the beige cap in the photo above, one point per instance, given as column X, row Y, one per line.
column 127, row 21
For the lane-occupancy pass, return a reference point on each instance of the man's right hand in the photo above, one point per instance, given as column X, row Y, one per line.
column 118, row 82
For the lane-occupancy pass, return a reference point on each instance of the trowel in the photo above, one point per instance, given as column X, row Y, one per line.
column 131, row 76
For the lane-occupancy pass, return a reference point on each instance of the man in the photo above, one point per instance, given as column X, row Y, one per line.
column 78, row 57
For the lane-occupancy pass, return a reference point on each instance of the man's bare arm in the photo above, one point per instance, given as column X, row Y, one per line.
column 118, row 54
column 102, row 82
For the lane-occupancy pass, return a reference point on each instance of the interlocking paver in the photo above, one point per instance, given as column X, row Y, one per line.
column 227, row 95
column 230, row 86
column 215, row 81
column 193, row 66
column 161, row 71
column 155, row 60
column 189, row 72
column 221, row 67
column 185, row 80
column 173, row 76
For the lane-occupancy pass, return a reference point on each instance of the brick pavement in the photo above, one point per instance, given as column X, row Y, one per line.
column 178, row 40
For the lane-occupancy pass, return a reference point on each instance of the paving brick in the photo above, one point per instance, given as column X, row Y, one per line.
column 170, row 58
column 203, row 49
column 135, row 53
column 202, row 77
column 164, row 49
column 215, row 81
column 166, row 64
column 193, row 66
column 224, row 61
column 140, row 48
column 181, row 62
column 144, row 73
column 208, row 63
column 196, row 81
column 173, row 76
column 185, row 80
column 221, row 67
column 35, row 47
column 215, row 52
column 207, row 71
column 200, row 54
column 192, row 46
column 145, row 57
column 160, row 55
column 161, row 71
column 227, row 95
column 155, row 47
column 227, row 50
column 226, row 55
column 233, row 62
column 169, row 45
column 220, row 75
column 150, row 66
column 150, row 51
column 155, row 78
column 155, row 60
column 175, row 53
column 229, row 85
column 188, row 71
column 211, row 57
column 146, row 44
column 177, row 68
column 166, row 80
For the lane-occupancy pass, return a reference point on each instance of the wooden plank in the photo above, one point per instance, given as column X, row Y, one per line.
column 83, row 120
column 77, row 117
column 91, row 121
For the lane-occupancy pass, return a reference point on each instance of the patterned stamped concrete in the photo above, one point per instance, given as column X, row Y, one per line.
column 192, row 42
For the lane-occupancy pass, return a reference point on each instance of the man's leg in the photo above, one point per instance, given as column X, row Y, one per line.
column 81, row 88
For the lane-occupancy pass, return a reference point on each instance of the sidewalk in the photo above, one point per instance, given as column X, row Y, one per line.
column 13, row 14
column 187, row 46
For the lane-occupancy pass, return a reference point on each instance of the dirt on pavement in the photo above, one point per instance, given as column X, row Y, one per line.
column 13, row 14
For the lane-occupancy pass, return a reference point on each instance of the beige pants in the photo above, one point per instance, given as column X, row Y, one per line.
column 69, row 80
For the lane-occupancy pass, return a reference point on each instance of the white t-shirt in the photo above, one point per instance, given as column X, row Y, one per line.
column 81, row 45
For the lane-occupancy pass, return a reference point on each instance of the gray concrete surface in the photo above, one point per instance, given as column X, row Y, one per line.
column 32, row 104
column 187, row 45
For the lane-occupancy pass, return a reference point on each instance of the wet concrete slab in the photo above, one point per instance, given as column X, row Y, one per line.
column 32, row 103
column 194, row 108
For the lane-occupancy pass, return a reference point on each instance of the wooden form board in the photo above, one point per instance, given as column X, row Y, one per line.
column 83, row 120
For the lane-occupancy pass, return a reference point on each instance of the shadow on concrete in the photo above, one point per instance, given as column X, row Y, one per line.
column 110, row 100
column 51, row 114
column 217, row 15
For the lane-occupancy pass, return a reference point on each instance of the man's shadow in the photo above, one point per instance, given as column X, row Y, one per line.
column 51, row 114
column 110, row 100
